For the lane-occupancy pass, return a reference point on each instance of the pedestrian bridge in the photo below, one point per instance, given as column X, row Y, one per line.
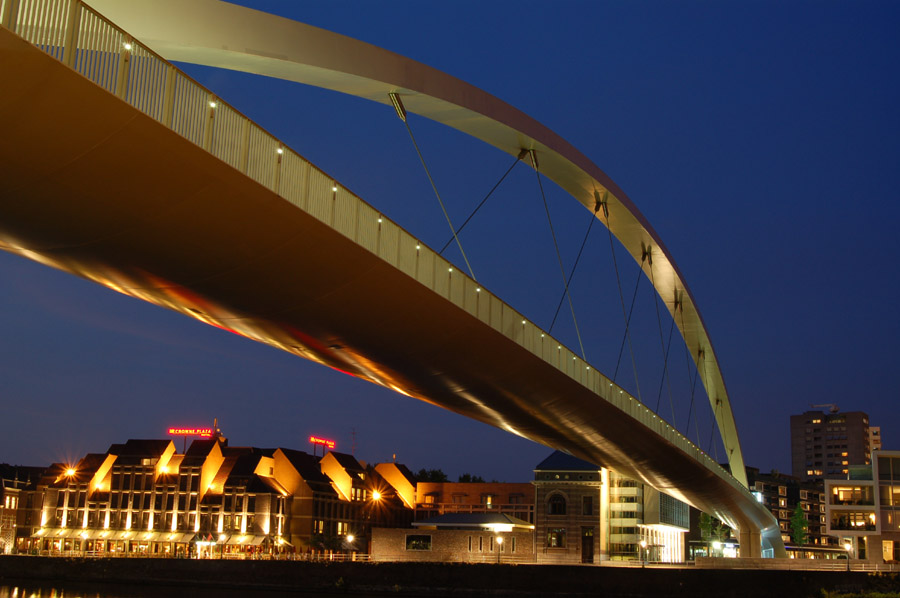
column 119, row 168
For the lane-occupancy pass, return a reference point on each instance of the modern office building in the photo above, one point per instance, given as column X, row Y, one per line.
column 863, row 510
column 824, row 445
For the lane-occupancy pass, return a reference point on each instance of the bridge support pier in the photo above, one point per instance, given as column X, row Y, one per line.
column 751, row 542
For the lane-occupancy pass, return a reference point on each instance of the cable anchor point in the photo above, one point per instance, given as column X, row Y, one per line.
column 398, row 105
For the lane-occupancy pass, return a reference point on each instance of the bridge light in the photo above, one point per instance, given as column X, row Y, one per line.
column 523, row 321
column 334, row 189
column 212, row 104
column 280, row 151
column 418, row 247
column 379, row 221
column 449, row 269
column 127, row 45
column 478, row 290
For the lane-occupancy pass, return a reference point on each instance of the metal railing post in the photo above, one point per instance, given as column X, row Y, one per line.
column 276, row 176
column 73, row 23
column 169, row 96
column 10, row 12
column 208, row 124
column 245, row 146
column 123, row 69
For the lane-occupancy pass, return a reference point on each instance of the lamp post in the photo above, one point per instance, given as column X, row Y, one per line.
column 848, row 547
column 499, row 547
column 643, row 553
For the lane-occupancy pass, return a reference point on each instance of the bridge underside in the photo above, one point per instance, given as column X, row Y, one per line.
column 94, row 187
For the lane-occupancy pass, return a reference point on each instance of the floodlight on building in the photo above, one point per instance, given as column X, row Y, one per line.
column 70, row 472
column 376, row 495
column 499, row 527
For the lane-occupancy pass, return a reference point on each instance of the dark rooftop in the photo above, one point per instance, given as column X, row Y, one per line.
column 560, row 461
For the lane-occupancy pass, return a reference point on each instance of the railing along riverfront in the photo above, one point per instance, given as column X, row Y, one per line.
column 84, row 40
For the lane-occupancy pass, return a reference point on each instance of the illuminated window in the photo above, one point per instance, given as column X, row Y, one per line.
column 556, row 538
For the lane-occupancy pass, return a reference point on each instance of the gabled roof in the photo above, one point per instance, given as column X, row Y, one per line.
column 560, row 461
column 307, row 466
column 348, row 462
column 139, row 448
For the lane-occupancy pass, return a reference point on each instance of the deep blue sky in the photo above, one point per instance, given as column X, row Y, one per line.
column 760, row 139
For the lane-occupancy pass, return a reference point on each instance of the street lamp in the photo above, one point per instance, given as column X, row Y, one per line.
column 848, row 547
column 643, row 549
column 499, row 547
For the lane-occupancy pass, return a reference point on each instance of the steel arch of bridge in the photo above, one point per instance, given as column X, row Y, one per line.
column 84, row 235
column 252, row 41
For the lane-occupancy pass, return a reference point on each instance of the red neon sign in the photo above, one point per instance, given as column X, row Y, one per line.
column 329, row 444
column 202, row 432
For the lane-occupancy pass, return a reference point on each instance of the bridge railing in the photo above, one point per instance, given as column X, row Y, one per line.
column 83, row 39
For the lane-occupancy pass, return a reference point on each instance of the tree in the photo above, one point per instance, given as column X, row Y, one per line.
column 799, row 527
column 431, row 475
column 469, row 478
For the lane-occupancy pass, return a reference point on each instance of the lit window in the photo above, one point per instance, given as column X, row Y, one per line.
column 556, row 538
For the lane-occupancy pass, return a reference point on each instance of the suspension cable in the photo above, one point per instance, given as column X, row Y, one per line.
column 575, row 265
column 625, row 316
column 475, row 211
column 401, row 112
column 627, row 335
column 662, row 345
column 679, row 305
column 562, row 269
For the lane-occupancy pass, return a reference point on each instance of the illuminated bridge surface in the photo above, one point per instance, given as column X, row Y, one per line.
column 117, row 167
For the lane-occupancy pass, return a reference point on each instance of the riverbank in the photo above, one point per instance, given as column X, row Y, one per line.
column 439, row 580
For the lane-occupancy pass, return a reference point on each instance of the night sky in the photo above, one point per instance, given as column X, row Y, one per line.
column 760, row 139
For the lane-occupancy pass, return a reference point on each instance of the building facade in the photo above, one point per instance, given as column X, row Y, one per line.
column 13, row 480
column 142, row 497
column 588, row 514
column 782, row 494
column 863, row 510
column 824, row 445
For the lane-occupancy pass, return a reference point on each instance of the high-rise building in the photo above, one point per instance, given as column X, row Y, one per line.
column 823, row 445
column 874, row 438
